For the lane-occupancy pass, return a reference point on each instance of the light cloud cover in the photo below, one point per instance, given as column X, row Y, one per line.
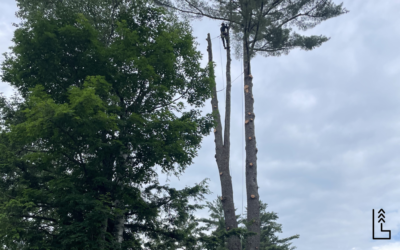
column 327, row 127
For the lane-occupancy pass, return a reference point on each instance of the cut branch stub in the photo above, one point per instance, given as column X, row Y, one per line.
column 227, row 228
column 251, row 119
column 247, row 121
column 251, row 164
column 220, row 173
column 250, row 138
column 222, row 198
column 215, row 107
column 251, row 76
column 246, row 88
column 252, row 196
column 249, row 113
column 215, row 130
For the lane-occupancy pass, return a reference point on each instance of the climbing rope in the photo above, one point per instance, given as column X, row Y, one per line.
column 242, row 95
column 231, row 82
column 222, row 69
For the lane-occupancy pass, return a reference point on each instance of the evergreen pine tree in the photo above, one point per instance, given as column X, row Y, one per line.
column 269, row 228
column 260, row 27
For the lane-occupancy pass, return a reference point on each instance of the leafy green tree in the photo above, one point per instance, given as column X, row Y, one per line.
column 102, row 14
column 81, row 148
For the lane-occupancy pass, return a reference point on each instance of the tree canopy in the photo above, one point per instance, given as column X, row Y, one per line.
column 81, row 148
column 265, row 25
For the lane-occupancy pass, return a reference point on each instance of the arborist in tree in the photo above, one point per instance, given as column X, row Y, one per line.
column 224, row 33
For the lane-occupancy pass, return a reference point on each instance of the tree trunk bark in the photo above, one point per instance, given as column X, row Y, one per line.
column 120, row 219
column 253, row 202
column 104, row 232
column 222, row 149
column 119, row 226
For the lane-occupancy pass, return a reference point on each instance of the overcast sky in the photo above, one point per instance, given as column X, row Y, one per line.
column 327, row 127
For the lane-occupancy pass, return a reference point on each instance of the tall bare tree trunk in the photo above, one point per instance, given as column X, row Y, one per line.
column 253, row 202
column 222, row 149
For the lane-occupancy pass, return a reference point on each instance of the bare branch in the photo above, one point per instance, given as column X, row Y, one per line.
column 199, row 13
column 166, row 105
column 276, row 3
column 40, row 217
column 258, row 25
column 303, row 14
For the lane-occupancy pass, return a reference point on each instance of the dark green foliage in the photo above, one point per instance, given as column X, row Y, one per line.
column 216, row 224
column 269, row 228
column 96, row 121
column 102, row 14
